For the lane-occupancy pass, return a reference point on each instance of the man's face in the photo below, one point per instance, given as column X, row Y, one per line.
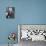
column 10, row 9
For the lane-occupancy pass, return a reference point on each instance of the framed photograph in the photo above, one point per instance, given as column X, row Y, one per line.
column 32, row 32
column 10, row 12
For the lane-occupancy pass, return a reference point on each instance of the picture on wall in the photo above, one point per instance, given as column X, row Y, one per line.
column 10, row 12
column 32, row 32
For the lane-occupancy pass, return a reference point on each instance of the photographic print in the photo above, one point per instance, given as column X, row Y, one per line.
column 31, row 33
column 10, row 12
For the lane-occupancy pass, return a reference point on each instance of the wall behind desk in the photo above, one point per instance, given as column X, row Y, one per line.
column 27, row 12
